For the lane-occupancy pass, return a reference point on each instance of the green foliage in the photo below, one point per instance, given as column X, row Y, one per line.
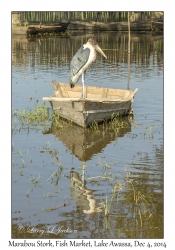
column 39, row 115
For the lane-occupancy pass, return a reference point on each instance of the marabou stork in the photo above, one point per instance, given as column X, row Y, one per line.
column 84, row 57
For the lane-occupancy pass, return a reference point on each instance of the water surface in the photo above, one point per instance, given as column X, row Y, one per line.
column 62, row 177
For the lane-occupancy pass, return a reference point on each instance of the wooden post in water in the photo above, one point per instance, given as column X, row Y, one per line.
column 128, row 87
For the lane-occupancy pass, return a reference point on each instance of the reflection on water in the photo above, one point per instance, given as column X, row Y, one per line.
column 61, row 50
column 89, row 141
column 62, row 176
column 83, row 196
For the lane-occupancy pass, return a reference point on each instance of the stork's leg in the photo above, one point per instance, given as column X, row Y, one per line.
column 83, row 85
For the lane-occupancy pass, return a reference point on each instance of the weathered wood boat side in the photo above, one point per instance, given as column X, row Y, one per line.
column 33, row 30
column 99, row 104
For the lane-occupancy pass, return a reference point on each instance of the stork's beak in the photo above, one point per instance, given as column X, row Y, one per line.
column 100, row 50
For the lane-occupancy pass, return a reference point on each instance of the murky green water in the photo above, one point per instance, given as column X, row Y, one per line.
column 61, row 178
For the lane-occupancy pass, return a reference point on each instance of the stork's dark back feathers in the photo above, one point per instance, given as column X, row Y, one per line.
column 78, row 61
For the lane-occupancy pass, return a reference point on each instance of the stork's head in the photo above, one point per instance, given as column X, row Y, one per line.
column 95, row 45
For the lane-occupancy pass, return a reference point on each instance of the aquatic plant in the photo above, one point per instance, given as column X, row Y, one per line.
column 105, row 127
column 35, row 181
column 39, row 115
column 108, row 202
column 139, row 202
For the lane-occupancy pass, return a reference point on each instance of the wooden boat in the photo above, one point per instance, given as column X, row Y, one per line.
column 100, row 104
column 42, row 29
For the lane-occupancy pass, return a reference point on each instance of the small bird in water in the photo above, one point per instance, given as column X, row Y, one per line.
column 82, row 60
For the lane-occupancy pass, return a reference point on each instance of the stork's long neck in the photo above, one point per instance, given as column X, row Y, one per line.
column 88, row 45
column 93, row 53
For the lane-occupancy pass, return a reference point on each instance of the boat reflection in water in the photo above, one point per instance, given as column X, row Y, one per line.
column 84, row 143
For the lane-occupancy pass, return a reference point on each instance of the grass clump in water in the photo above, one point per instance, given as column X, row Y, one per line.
column 39, row 113
column 108, row 202
column 143, row 213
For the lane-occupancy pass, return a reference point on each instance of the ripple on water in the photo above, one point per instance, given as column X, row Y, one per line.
column 134, row 149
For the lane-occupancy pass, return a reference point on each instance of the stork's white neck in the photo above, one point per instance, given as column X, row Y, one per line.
column 88, row 45
column 92, row 56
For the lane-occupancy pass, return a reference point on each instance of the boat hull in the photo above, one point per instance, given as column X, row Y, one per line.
column 94, row 108
column 34, row 30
